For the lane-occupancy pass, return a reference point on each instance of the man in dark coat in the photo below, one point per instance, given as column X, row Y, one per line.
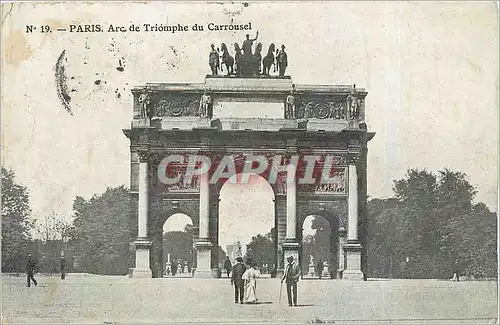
column 456, row 271
column 291, row 276
column 30, row 270
column 239, row 287
column 63, row 266
column 228, row 266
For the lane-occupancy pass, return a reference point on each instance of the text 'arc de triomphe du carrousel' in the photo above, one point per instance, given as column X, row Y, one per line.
column 308, row 141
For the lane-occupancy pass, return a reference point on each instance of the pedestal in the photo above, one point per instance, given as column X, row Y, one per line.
column 353, row 257
column 204, row 257
column 142, row 269
column 312, row 271
column 168, row 268
column 326, row 272
column 179, row 267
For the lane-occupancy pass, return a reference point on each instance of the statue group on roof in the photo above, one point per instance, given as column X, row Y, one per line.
column 248, row 63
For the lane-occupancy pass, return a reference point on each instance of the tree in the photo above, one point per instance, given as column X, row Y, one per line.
column 15, row 223
column 54, row 227
column 262, row 249
column 179, row 244
column 431, row 221
column 101, row 234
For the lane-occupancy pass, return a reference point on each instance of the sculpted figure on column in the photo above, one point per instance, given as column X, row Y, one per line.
column 353, row 103
column 205, row 105
column 145, row 100
column 290, row 106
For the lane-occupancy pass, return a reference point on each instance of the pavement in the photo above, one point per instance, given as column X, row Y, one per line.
column 116, row 299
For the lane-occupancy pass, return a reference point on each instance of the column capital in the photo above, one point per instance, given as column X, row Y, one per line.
column 147, row 156
column 143, row 155
column 352, row 158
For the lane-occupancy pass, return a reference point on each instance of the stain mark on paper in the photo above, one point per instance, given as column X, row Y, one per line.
column 121, row 65
column 61, row 84
column 8, row 13
column 16, row 48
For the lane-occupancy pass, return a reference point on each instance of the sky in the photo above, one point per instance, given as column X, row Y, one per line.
column 430, row 69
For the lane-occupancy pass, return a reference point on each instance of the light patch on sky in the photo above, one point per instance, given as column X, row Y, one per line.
column 307, row 226
column 245, row 210
column 177, row 222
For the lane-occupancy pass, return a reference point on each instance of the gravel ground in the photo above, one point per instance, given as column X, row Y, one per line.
column 110, row 299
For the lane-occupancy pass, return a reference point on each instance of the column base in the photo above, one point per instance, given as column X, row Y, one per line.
column 203, row 259
column 353, row 275
column 353, row 261
column 204, row 274
column 142, row 268
column 141, row 273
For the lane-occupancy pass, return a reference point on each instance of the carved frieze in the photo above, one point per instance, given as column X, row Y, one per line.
column 176, row 107
column 150, row 103
column 321, row 108
column 337, row 184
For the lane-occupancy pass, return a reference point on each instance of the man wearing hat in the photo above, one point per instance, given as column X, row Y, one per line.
column 31, row 270
column 291, row 276
column 239, row 287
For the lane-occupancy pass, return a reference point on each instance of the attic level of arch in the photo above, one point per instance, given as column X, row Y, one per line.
column 154, row 103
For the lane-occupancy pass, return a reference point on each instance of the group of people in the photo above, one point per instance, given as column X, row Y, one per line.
column 32, row 269
column 244, row 279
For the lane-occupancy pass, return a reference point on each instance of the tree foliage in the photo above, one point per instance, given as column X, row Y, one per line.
column 54, row 227
column 317, row 245
column 101, row 234
column 15, row 223
column 262, row 249
column 179, row 244
column 431, row 222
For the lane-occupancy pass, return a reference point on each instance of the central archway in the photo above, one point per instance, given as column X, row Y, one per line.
column 177, row 246
column 247, row 223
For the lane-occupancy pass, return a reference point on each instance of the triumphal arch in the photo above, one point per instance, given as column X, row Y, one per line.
column 287, row 129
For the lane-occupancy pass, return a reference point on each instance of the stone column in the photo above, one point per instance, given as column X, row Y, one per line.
column 352, row 221
column 341, row 255
column 353, row 248
column 203, row 245
column 143, row 244
column 291, row 246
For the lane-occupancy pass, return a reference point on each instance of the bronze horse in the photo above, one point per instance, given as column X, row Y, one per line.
column 227, row 59
column 256, row 59
column 268, row 61
column 238, row 59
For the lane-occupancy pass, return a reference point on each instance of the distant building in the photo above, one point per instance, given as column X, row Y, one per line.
column 234, row 251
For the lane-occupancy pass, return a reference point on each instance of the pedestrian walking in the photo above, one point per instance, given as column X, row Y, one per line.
column 31, row 270
column 250, row 277
column 237, row 280
column 456, row 271
column 228, row 266
column 63, row 266
column 291, row 276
